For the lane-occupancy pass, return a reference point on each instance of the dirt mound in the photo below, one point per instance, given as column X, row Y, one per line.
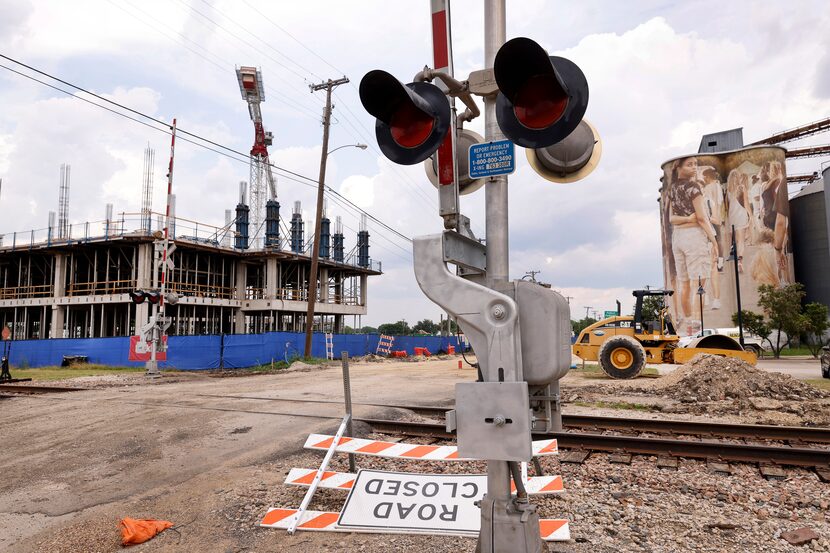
column 713, row 378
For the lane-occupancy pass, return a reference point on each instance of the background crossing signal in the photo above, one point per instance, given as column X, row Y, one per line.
column 541, row 98
column 412, row 119
column 138, row 296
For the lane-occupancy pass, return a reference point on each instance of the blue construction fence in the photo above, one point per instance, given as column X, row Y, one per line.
column 213, row 351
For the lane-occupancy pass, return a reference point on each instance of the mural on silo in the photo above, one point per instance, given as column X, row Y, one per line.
column 705, row 196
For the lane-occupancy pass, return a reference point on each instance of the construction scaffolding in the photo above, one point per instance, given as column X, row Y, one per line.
column 78, row 286
column 147, row 188
column 63, row 202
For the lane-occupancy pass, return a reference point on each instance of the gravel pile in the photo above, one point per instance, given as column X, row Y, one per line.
column 713, row 378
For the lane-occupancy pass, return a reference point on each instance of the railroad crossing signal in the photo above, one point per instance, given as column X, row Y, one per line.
column 168, row 259
column 138, row 296
column 412, row 119
column 541, row 101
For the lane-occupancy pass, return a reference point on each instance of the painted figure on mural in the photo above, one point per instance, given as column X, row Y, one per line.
column 713, row 194
column 737, row 199
column 694, row 244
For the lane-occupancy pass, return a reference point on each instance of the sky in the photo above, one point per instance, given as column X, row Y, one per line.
column 660, row 75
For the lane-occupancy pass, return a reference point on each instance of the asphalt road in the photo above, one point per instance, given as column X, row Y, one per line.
column 800, row 367
column 803, row 368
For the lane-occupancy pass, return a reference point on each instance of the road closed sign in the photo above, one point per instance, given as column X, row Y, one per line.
column 399, row 501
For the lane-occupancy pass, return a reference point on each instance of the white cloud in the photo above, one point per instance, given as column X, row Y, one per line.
column 660, row 76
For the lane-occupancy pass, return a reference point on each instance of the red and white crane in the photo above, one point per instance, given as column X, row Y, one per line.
column 253, row 91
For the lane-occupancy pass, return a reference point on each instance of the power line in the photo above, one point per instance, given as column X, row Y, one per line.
column 298, row 41
column 265, row 42
column 244, row 157
column 405, row 178
column 302, row 109
column 360, row 136
column 242, row 40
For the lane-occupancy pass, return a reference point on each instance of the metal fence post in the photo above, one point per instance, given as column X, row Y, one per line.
column 347, row 393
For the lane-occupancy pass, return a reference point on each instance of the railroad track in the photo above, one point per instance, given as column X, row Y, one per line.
column 660, row 447
column 31, row 389
column 791, row 434
column 709, row 450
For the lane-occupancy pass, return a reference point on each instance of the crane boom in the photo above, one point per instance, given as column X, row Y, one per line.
column 261, row 175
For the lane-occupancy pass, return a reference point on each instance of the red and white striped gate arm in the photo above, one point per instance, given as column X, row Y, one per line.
column 379, row 448
column 326, row 521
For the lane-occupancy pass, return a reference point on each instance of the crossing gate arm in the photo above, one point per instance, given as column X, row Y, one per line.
column 326, row 521
column 296, row 517
column 380, row 448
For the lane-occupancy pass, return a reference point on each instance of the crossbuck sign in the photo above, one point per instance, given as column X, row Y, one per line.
column 415, row 502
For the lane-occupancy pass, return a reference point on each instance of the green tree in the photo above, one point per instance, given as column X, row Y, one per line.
column 579, row 326
column 426, row 326
column 368, row 330
column 395, row 329
column 782, row 307
column 348, row 330
column 754, row 323
column 816, row 316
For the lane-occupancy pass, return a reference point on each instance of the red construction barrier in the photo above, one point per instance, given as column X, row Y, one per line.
column 450, row 350
column 422, row 351
column 401, row 353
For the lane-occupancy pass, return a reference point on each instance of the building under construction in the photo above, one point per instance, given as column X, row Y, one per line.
column 74, row 281
column 251, row 275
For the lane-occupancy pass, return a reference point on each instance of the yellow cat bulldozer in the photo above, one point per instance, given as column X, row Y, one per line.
column 623, row 345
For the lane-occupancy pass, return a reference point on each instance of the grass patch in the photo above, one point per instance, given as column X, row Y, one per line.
column 615, row 405
column 593, row 370
column 786, row 352
column 61, row 373
column 312, row 360
column 821, row 383
column 263, row 369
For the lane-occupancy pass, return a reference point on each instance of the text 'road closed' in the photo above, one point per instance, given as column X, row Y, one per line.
column 414, row 501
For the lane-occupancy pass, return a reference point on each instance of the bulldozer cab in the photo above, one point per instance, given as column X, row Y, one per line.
column 662, row 327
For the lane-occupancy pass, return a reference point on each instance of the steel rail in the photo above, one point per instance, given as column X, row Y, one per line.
column 725, row 451
column 807, row 434
column 696, row 428
column 30, row 389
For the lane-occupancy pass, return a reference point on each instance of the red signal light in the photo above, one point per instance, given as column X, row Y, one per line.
column 411, row 120
column 540, row 102
column 410, row 127
column 541, row 98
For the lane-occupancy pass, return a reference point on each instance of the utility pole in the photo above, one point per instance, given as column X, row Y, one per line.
column 321, row 185
column 152, row 368
column 532, row 275
column 587, row 310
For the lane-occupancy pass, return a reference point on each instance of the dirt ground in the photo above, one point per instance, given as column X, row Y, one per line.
column 174, row 449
